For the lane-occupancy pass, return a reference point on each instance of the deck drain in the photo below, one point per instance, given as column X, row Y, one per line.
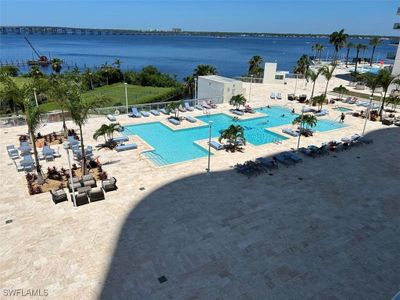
column 300, row 178
column 9, row 221
column 162, row 279
column 270, row 174
column 142, row 188
column 358, row 157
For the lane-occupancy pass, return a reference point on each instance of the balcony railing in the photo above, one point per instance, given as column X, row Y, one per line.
column 391, row 55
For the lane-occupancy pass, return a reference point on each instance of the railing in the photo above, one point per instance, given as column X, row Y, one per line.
column 249, row 79
column 54, row 117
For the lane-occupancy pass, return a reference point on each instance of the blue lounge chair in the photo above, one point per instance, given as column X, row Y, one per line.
column 237, row 112
column 155, row 112
column 216, row 145
column 284, row 160
column 71, row 139
column 174, row 121
column 134, row 113
column 290, row 131
column 267, row 162
column 144, row 113
column 292, row 157
column 125, row 147
column 198, row 106
column 164, row 111
column 191, row 119
column 188, row 107
column 120, row 139
column 13, row 153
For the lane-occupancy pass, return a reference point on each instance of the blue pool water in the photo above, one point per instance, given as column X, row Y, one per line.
column 172, row 146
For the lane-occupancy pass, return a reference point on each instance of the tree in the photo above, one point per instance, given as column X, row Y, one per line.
column 10, row 94
column 313, row 76
column 340, row 90
column 394, row 100
column 9, row 70
column 364, row 48
column 328, row 71
column 174, row 107
column 255, row 66
column 317, row 49
column 319, row 100
column 56, row 65
column 385, row 79
column 32, row 114
column 349, row 46
column 107, row 131
column 234, row 135
column 117, row 63
column 302, row 65
column 79, row 109
column 203, row 70
column 35, row 72
column 305, row 121
column 338, row 39
column 358, row 48
column 374, row 42
column 237, row 101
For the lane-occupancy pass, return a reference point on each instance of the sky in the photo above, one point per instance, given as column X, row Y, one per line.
column 374, row 17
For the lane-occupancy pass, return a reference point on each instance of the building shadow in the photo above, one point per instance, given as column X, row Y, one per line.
column 328, row 227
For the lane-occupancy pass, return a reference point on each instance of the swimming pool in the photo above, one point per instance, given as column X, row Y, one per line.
column 173, row 146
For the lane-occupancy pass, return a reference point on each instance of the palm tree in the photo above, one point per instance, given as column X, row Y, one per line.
column 358, row 48
column 305, row 121
column 327, row 71
column 56, row 65
column 372, row 81
column 117, row 63
column 174, row 107
column 32, row 114
column 364, row 48
column 189, row 86
column 313, row 76
column 35, row 71
column 317, row 49
column 255, row 66
column 203, row 70
column 385, row 79
column 10, row 94
column 319, row 100
column 338, row 39
column 340, row 90
column 234, row 135
column 237, row 101
column 79, row 109
column 302, row 65
column 374, row 42
column 106, row 131
column 349, row 46
column 394, row 100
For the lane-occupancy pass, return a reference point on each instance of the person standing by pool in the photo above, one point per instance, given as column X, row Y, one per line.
column 342, row 116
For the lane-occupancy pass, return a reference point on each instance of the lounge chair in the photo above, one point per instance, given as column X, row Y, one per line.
column 29, row 168
column 188, row 107
column 71, row 139
column 18, row 166
column 267, row 162
column 321, row 113
column 111, row 118
column 109, row 185
column 365, row 140
column 88, row 180
column 182, row 109
column 249, row 109
column 76, row 184
column 81, row 198
column 198, row 106
column 212, row 104
column 144, row 113
column 155, row 112
column 13, row 153
column 164, row 111
column 174, row 121
column 237, row 112
column 58, row 196
column 191, row 119
column 25, row 149
column 249, row 168
column 293, row 157
column 96, row 194
column 291, row 97
column 352, row 101
column 283, row 159
column 302, row 98
column 134, row 113
column 120, row 139
column 205, row 105
column 125, row 147
column 290, row 131
column 278, row 96
column 273, row 95
column 216, row 145
column 308, row 109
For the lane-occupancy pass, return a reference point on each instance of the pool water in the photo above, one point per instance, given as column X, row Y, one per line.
column 342, row 109
column 173, row 146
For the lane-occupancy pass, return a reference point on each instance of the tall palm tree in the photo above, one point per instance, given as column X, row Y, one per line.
column 327, row 72
column 349, row 46
column 305, row 121
column 203, row 70
column 80, row 108
column 32, row 114
column 302, row 65
column 385, row 79
column 372, row 81
column 374, row 42
column 317, row 49
column 313, row 76
column 319, row 100
column 174, row 107
column 60, row 90
column 255, row 66
column 338, row 40
column 358, row 48
column 364, row 48
column 106, row 131
column 237, row 101
column 234, row 135
column 56, row 65
column 320, row 49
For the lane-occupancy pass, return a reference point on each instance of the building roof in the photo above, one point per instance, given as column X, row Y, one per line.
column 219, row 78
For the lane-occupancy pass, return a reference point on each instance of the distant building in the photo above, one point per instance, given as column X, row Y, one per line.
column 271, row 75
column 396, row 65
column 218, row 88
column 176, row 30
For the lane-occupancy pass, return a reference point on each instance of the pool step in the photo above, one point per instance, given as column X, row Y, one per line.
column 156, row 158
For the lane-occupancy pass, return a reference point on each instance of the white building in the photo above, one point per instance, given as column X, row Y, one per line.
column 396, row 65
column 220, row 89
column 271, row 75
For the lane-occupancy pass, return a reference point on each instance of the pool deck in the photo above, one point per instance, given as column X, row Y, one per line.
column 325, row 229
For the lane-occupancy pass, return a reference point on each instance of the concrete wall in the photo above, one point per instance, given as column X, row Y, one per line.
column 210, row 88
column 396, row 65
column 269, row 73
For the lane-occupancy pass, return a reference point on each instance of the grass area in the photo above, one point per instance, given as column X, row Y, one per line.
column 359, row 95
column 20, row 80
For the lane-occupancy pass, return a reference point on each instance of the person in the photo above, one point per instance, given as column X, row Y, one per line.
column 268, row 106
column 342, row 116
column 235, row 119
column 283, row 115
column 293, row 111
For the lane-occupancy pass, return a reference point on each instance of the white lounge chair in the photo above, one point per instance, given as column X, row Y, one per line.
column 174, row 121
column 111, row 118
column 216, row 145
column 273, row 95
column 279, row 96
column 191, row 119
column 290, row 131
column 188, row 107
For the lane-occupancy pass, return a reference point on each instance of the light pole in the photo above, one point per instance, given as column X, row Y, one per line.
column 301, row 122
column 126, row 97
column 367, row 115
column 195, row 88
column 251, row 83
column 209, row 147
column 295, row 85
column 67, row 146
column 34, row 93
